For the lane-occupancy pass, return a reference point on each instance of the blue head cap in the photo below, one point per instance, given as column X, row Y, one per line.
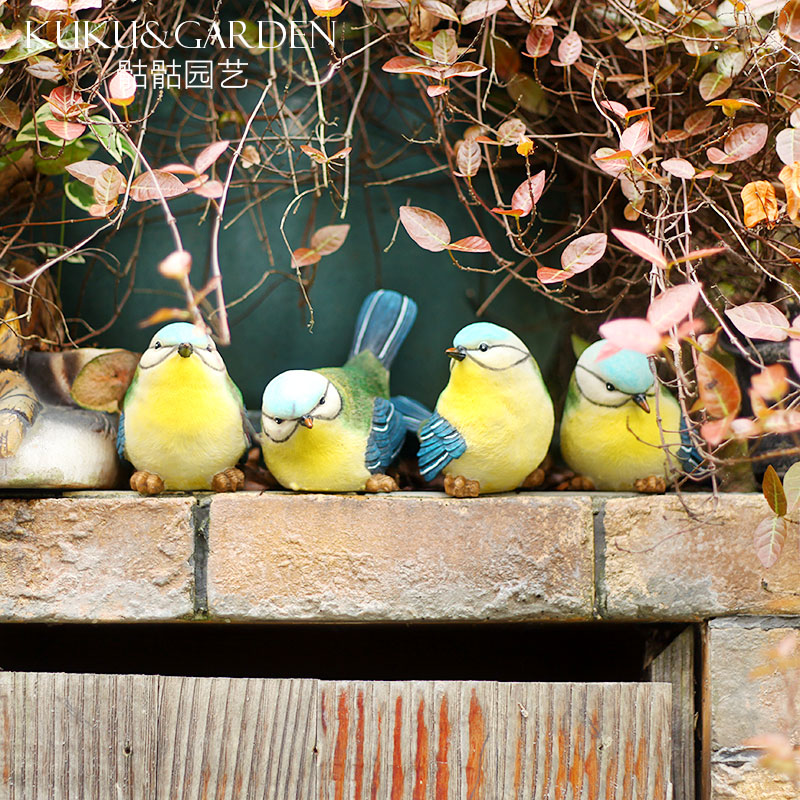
column 628, row 370
column 181, row 333
column 472, row 335
column 293, row 394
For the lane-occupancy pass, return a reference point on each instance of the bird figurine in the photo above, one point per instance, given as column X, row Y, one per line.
column 336, row 429
column 183, row 425
column 616, row 431
column 494, row 420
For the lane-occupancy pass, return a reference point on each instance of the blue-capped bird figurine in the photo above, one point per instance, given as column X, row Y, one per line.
column 183, row 425
column 493, row 422
column 610, row 431
column 336, row 429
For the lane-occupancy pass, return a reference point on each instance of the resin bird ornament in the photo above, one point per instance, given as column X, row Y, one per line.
column 494, row 420
column 618, row 430
column 183, row 425
column 336, row 429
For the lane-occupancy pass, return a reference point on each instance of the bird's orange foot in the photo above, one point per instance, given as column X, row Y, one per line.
column 459, row 486
column 654, row 484
column 147, row 483
column 535, row 479
column 229, row 480
column 381, row 483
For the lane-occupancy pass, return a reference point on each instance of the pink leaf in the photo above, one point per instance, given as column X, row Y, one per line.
column 528, row 193
column 464, row 69
column 305, row 257
column 787, row 145
column 569, row 51
column 198, row 181
column 427, row 229
column 480, row 9
column 716, row 431
column 471, row 244
column 712, row 85
column 614, row 107
column 179, row 169
column 642, row 246
column 539, row 41
column 604, row 158
column 176, row 265
column 581, row 253
column 51, row 5
column 86, row 171
column 147, row 185
column 636, row 138
column 672, row 306
column 632, row 334
column 122, row 88
column 550, row 275
column 407, row 65
column 329, row 239
column 769, row 538
column 436, row 90
column 759, row 321
column 794, row 348
column 679, row 167
column 80, row 5
column 210, row 189
column 209, row 155
column 68, row 131
column 468, row 158
column 744, row 141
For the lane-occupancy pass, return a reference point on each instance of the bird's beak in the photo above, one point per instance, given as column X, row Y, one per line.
column 307, row 422
column 185, row 350
column 641, row 401
column 456, row 352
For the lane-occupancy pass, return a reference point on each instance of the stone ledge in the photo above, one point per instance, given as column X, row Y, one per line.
column 96, row 558
column 400, row 558
column 661, row 563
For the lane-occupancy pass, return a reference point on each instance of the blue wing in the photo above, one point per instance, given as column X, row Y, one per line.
column 689, row 456
column 121, row 436
column 386, row 437
column 414, row 413
column 439, row 444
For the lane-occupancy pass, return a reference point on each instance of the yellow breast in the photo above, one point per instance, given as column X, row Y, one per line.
column 183, row 423
column 506, row 419
column 614, row 447
column 327, row 458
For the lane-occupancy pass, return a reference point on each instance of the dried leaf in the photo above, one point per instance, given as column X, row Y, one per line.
column 250, row 157
column 672, row 306
column 719, row 392
column 329, row 239
column 642, row 246
column 769, row 538
column 759, row 321
column 760, row 203
column 790, row 177
column 789, row 20
column 10, row 114
column 427, row 229
column 18, row 408
column 102, row 383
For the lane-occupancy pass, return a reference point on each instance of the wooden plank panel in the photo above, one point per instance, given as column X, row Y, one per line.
column 675, row 665
column 76, row 736
column 236, row 738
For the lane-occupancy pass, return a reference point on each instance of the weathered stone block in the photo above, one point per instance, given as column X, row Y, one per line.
column 113, row 557
column 743, row 706
column 664, row 560
column 400, row 557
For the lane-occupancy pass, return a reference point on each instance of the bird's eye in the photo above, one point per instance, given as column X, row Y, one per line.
column 321, row 401
column 611, row 387
column 278, row 421
column 157, row 345
column 483, row 347
column 209, row 348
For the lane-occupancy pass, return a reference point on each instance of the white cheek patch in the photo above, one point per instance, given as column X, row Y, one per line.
column 499, row 357
column 594, row 388
column 277, row 433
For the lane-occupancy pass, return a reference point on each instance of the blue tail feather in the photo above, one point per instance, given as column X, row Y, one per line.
column 383, row 323
column 412, row 412
column 689, row 456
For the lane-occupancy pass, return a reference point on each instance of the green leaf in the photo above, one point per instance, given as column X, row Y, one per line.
column 54, row 160
column 773, row 491
column 579, row 344
column 524, row 91
column 81, row 194
column 102, row 131
column 26, row 47
column 29, row 131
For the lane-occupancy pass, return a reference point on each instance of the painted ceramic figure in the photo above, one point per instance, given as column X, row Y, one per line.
column 336, row 429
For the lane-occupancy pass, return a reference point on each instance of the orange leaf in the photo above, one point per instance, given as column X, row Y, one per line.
column 718, row 389
column 790, row 178
column 760, row 203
